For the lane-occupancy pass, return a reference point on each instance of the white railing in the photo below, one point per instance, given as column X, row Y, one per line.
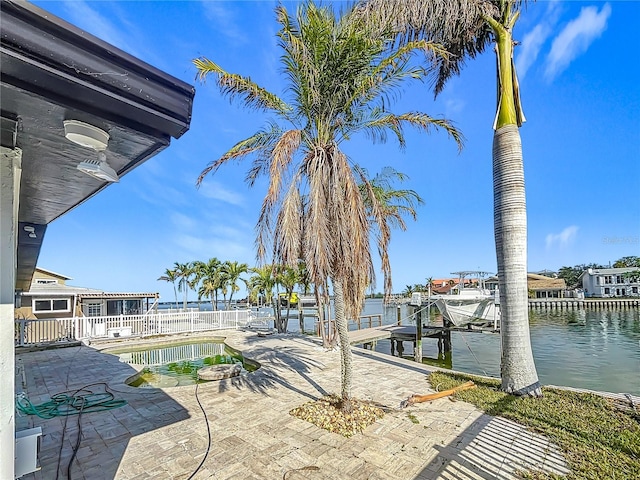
column 29, row 332
column 179, row 353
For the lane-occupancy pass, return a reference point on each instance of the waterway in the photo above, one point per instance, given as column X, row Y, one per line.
column 582, row 348
column 592, row 349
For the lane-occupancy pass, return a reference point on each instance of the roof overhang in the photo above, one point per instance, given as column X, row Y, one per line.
column 52, row 71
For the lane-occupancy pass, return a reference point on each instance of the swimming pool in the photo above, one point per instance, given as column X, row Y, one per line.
column 175, row 364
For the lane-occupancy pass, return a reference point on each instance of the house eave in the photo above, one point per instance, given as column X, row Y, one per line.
column 45, row 55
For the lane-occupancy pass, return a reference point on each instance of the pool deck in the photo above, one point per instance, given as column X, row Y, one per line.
column 162, row 433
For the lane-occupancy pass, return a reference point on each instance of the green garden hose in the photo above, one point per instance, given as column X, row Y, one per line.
column 63, row 404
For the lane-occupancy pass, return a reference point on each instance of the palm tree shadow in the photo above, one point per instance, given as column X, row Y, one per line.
column 278, row 367
column 495, row 448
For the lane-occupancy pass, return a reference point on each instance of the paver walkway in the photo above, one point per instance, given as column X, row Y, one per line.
column 163, row 433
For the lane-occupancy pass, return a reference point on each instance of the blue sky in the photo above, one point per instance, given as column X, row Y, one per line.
column 580, row 82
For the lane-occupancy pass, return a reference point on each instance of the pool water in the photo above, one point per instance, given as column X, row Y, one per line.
column 177, row 364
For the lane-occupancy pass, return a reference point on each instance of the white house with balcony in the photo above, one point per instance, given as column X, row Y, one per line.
column 611, row 282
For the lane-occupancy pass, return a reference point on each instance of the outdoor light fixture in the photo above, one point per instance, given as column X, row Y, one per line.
column 86, row 135
column 92, row 137
column 99, row 168
column 30, row 230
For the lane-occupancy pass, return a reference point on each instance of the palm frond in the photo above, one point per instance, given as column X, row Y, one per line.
column 259, row 141
column 422, row 121
column 281, row 157
column 237, row 86
column 458, row 25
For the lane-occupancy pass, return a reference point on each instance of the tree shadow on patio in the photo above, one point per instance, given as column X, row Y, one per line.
column 276, row 364
column 89, row 444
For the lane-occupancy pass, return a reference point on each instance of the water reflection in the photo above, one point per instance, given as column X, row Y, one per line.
column 593, row 349
column 178, row 364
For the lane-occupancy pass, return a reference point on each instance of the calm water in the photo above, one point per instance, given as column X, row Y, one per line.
column 593, row 349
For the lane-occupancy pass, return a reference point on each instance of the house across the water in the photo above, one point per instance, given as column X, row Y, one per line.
column 611, row 282
column 539, row 286
column 50, row 297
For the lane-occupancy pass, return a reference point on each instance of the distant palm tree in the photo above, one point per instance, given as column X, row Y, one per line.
column 232, row 271
column 466, row 28
column 342, row 81
column 170, row 276
column 288, row 277
column 183, row 272
column 208, row 276
column 305, row 281
column 195, row 280
column 261, row 283
column 429, row 284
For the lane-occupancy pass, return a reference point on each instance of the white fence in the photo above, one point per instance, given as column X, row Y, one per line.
column 29, row 332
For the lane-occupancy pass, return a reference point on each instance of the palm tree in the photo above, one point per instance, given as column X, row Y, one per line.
column 183, row 272
column 232, row 271
column 261, row 283
column 428, row 285
column 170, row 276
column 466, row 28
column 387, row 206
column 342, row 80
column 197, row 269
column 289, row 277
column 208, row 275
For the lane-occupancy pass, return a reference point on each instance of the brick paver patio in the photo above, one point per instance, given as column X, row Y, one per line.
column 162, row 433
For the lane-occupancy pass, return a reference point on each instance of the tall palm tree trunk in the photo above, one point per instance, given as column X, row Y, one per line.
column 345, row 346
column 175, row 293
column 517, row 367
column 518, row 370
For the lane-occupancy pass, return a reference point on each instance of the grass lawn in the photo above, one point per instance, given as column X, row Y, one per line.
column 599, row 440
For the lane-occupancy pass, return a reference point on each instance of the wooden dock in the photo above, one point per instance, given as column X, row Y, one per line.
column 366, row 335
column 404, row 333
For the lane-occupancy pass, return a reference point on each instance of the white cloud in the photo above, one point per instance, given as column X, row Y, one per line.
column 576, row 38
column 533, row 41
column 200, row 247
column 531, row 44
column 453, row 106
column 562, row 239
column 215, row 190
column 223, row 18
column 183, row 222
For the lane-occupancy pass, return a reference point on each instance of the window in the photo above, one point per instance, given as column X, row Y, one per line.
column 45, row 281
column 619, row 279
column 51, row 305
column 94, row 309
column 634, row 290
column 608, row 280
column 607, row 291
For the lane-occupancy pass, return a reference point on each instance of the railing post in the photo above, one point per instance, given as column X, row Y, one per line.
column 191, row 318
column 22, row 328
column 237, row 319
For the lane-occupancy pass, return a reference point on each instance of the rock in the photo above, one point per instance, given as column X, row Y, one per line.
column 220, row 372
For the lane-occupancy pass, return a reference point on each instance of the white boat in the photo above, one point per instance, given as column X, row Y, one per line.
column 469, row 305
